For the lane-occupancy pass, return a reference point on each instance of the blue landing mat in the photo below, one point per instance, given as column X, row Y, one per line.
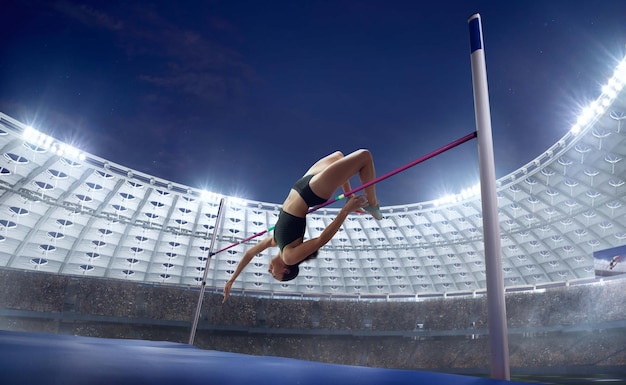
column 41, row 359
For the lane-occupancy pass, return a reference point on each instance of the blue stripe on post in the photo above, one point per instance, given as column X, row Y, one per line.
column 475, row 35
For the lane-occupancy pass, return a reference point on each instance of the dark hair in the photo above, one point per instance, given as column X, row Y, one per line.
column 294, row 270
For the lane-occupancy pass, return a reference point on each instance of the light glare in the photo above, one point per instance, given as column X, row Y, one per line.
column 599, row 106
column 465, row 194
column 209, row 196
column 29, row 133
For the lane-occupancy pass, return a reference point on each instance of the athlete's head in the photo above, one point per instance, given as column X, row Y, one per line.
column 283, row 272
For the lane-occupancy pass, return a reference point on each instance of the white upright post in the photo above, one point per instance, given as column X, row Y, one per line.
column 498, row 335
column 196, row 316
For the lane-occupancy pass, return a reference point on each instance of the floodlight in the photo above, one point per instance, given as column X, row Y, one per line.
column 209, row 196
column 585, row 116
column 620, row 73
column 597, row 108
column 29, row 133
column 609, row 91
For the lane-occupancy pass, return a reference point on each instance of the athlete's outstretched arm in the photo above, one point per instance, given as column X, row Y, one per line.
column 245, row 259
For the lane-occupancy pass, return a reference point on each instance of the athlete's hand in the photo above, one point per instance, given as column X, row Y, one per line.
column 354, row 203
column 227, row 287
column 359, row 210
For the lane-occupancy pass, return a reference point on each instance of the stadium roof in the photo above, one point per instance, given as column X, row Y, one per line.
column 65, row 212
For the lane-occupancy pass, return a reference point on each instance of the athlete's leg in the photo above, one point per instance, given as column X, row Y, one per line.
column 321, row 164
column 337, row 173
column 324, row 162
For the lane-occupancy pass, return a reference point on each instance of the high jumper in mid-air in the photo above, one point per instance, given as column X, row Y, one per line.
column 614, row 261
column 316, row 187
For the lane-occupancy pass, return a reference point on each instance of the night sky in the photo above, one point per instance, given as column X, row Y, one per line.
column 241, row 97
